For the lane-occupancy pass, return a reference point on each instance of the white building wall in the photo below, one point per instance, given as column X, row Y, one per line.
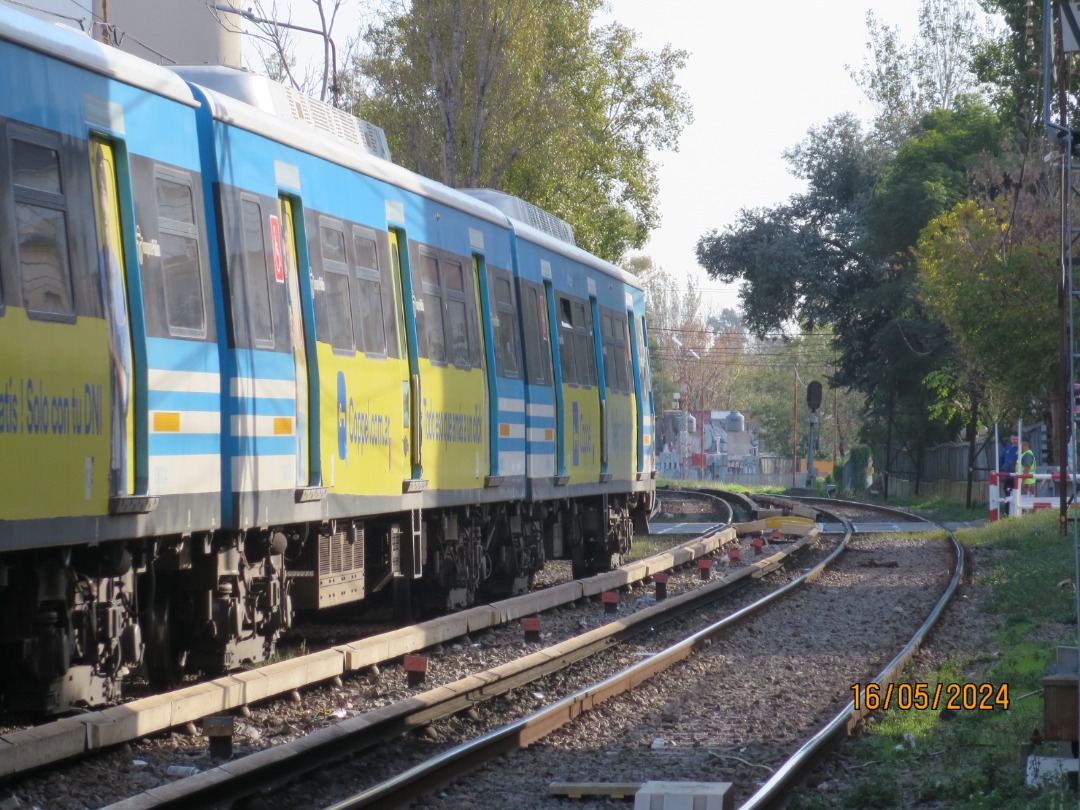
column 182, row 32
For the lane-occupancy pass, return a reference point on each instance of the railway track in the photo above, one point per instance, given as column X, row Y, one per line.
column 25, row 749
column 717, row 730
column 202, row 790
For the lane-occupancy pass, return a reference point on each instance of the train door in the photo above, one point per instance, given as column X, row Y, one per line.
column 556, row 352
column 411, row 394
column 111, row 261
column 601, row 381
column 284, row 239
column 488, row 317
column 642, row 390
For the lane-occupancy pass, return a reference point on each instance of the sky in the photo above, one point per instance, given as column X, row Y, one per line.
column 758, row 81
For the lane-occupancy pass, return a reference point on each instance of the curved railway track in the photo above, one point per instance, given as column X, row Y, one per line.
column 616, row 741
column 203, row 789
column 24, row 749
column 421, row 711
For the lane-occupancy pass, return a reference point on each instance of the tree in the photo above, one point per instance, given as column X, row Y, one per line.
column 930, row 173
column 526, row 97
column 803, row 259
column 997, row 296
column 906, row 82
column 775, row 396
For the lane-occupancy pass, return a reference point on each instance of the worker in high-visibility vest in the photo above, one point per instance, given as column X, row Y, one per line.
column 1025, row 469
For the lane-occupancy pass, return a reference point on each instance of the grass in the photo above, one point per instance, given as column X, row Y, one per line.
column 917, row 758
column 939, row 510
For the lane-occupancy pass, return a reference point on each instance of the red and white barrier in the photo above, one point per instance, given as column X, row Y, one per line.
column 1019, row 503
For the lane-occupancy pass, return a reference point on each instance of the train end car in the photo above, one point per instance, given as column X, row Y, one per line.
column 588, row 400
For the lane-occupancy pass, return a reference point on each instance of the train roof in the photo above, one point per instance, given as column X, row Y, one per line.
column 523, row 220
column 260, row 105
column 60, row 41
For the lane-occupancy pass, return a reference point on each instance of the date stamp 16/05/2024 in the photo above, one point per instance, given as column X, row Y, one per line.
column 952, row 696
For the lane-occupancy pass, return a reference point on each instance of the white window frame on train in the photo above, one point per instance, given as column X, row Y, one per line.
column 170, row 228
column 49, row 198
column 259, row 310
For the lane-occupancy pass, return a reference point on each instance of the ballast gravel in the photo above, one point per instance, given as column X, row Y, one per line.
column 730, row 713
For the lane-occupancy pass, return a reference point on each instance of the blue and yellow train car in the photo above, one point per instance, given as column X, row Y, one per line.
column 110, row 417
column 250, row 366
column 588, row 403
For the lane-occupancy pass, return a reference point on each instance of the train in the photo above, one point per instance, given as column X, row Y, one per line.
column 251, row 368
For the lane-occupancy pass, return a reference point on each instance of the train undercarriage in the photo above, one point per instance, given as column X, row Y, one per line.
column 77, row 621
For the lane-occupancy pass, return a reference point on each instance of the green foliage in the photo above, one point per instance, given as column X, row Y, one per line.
column 969, row 763
column 769, row 395
column 905, row 81
column 531, row 99
column 929, row 174
column 997, row 298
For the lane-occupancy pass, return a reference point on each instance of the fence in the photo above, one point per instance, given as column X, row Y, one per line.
column 945, row 469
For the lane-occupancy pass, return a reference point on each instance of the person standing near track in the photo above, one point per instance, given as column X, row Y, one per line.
column 1007, row 464
column 1025, row 469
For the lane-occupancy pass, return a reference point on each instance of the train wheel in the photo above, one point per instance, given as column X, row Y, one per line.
column 164, row 661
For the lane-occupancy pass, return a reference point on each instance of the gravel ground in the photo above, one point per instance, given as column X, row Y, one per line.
column 742, row 705
column 751, row 696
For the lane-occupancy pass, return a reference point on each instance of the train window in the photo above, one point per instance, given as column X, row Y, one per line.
column 41, row 224
column 35, row 167
column 605, row 342
column 613, row 329
column 369, row 295
column 456, row 316
column 566, row 342
column 429, row 322
column 622, row 353
column 537, row 339
column 338, row 290
column 506, row 349
column 429, row 268
column 452, row 277
column 584, row 347
column 181, row 270
column 256, row 277
column 459, row 333
column 643, row 360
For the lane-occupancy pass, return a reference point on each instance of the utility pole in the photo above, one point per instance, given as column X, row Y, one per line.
column 250, row 17
column 100, row 22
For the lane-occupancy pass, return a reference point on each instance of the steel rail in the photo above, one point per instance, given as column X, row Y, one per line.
column 284, row 763
column 774, row 793
column 450, row 764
